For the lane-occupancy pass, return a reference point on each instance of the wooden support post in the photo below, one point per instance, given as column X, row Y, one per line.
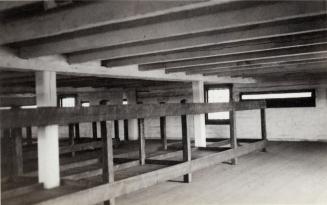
column 125, row 130
column 17, row 154
column 163, row 132
column 94, row 130
column 108, row 165
column 29, row 138
column 233, row 136
column 263, row 126
column 186, row 146
column 199, row 120
column 48, row 136
column 116, row 130
column 141, row 141
column 71, row 136
column 77, row 135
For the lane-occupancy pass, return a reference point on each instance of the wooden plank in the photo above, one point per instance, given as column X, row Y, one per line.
column 108, row 164
column 9, row 5
column 110, row 12
column 142, row 154
column 300, row 38
column 162, row 162
column 238, row 56
column 100, row 193
column 186, row 147
column 39, row 116
column 219, row 143
column 209, row 18
column 230, row 35
column 20, row 191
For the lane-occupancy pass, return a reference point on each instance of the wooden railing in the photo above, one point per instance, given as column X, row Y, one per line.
column 63, row 116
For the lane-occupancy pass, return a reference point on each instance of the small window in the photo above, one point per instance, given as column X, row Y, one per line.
column 67, row 101
column 85, row 104
column 280, row 99
column 125, row 102
column 28, row 106
column 217, row 94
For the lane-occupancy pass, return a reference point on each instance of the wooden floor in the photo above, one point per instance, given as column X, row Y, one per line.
column 289, row 173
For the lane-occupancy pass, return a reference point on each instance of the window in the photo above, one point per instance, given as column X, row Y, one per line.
column 85, row 104
column 125, row 102
column 67, row 101
column 217, row 94
column 280, row 99
column 28, row 106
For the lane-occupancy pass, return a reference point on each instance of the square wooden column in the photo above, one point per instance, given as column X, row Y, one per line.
column 47, row 136
column 263, row 126
column 108, row 164
column 186, row 147
column 199, row 120
column 232, row 126
column 132, row 123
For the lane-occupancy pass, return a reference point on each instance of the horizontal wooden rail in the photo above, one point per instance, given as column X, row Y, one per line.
column 104, row 192
column 63, row 116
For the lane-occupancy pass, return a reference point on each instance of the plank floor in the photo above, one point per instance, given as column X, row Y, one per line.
column 289, row 173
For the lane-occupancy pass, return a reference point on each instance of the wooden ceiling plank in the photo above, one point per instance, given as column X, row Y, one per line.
column 203, row 39
column 301, row 38
column 163, row 29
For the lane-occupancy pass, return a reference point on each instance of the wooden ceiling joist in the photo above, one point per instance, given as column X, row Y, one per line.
column 259, row 66
column 203, row 39
column 107, row 13
column 250, row 61
column 161, row 27
column 240, row 56
column 289, row 39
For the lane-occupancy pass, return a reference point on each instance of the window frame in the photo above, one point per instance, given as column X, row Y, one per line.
column 285, row 102
column 217, row 86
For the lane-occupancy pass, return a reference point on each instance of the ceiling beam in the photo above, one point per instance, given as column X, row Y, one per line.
column 250, row 61
column 73, row 19
column 258, row 66
column 173, row 25
column 308, row 67
column 249, row 32
column 290, row 39
column 239, row 57
column 8, row 5
column 10, row 62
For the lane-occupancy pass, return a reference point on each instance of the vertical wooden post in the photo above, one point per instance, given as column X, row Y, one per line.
column 141, row 141
column 16, row 152
column 48, row 136
column 108, row 165
column 233, row 136
column 163, row 132
column 116, row 129
column 6, row 152
column 94, row 130
column 263, row 126
column 186, row 146
column 125, row 130
column 77, row 135
column 29, row 139
column 71, row 136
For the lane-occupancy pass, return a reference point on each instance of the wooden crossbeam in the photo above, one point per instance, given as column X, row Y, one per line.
column 106, row 191
column 251, row 61
column 288, row 39
column 50, row 23
column 228, row 35
column 288, row 62
column 64, row 116
column 309, row 67
column 240, row 56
